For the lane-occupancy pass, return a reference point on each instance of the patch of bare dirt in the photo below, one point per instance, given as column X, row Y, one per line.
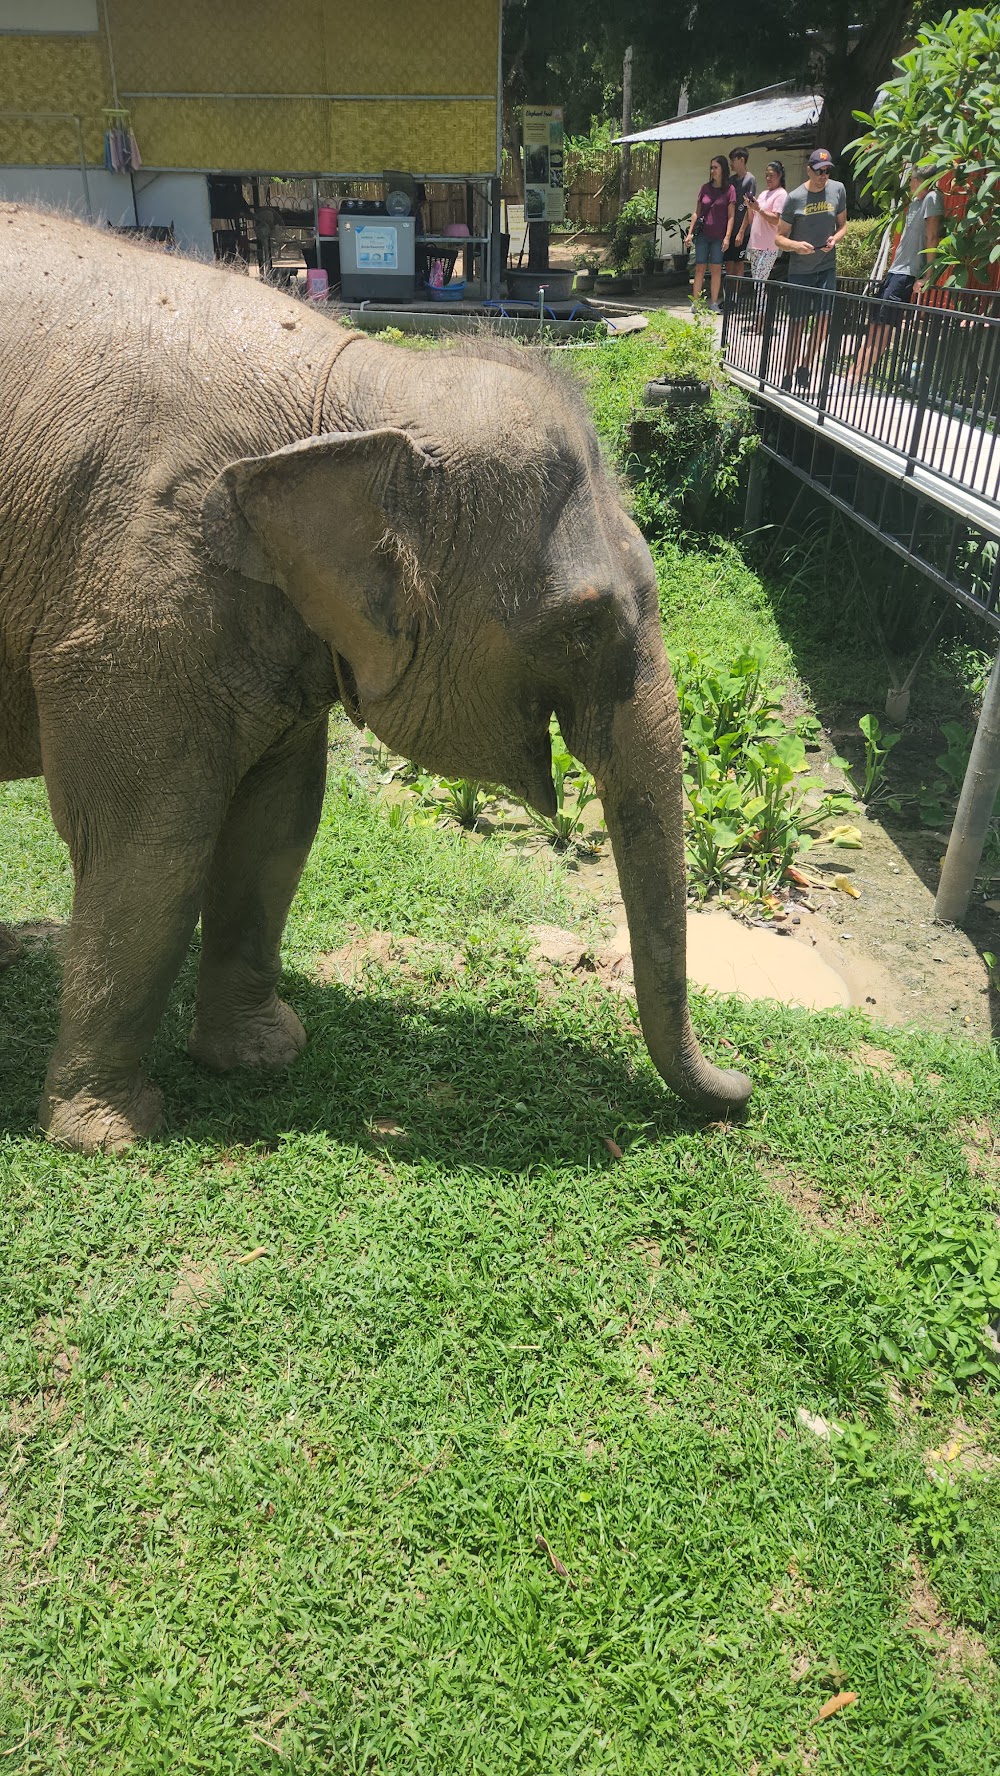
column 960, row 1452
column 791, row 1595
column 197, row 1284
column 881, row 1060
column 648, row 1354
column 811, row 1206
column 981, row 1146
column 14, row 938
column 407, row 956
column 956, row 1651
column 795, row 1189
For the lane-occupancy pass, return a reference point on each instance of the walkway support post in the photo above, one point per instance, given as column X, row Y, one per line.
column 753, row 511
column 975, row 810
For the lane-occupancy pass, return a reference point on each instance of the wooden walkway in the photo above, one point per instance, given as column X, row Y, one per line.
column 948, row 445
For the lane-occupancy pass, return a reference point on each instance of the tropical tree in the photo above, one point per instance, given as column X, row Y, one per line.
column 941, row 115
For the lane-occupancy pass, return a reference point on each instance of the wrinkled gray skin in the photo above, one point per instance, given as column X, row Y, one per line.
column 183, row 557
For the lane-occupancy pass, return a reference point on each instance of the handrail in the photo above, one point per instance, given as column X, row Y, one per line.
column 919, row 379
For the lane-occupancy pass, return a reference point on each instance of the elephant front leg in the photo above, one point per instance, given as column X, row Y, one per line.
column 134, row 910
column 264, row 843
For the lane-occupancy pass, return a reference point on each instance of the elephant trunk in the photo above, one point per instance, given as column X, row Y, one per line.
column 639, row 778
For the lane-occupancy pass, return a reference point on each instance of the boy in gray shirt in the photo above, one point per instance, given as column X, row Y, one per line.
column 907, row 275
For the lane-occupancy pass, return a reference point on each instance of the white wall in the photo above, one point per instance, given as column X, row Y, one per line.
column 684, row 167
column 181, row 199
column 61, row 188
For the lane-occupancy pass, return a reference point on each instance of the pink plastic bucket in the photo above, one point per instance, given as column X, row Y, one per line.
column 326, row 220
column 317, row 286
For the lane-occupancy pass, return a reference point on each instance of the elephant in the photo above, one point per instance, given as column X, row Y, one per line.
column 221, row 514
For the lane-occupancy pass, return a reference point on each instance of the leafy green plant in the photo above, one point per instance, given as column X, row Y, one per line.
column 464, row 799
column 939, row 115
column 933, row 1509
column 855, row 1454
column 952, row 1272
column 676, row 225
column 748, row 793
column 575, row 790
column 878, row 746
column 637, row 216
column 858, row 250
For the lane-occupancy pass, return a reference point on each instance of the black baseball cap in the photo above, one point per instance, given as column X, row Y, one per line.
column 821, row 160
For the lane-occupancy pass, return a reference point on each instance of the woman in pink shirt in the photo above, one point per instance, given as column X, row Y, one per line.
column 765, row 211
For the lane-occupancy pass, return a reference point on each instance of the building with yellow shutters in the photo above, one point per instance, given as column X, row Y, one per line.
column 226, row 97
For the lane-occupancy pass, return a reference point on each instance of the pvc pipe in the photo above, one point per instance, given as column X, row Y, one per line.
column 974, row 812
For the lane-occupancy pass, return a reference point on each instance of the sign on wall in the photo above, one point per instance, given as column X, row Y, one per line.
column 544, row 197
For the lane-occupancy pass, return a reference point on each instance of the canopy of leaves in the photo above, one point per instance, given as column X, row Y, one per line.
column 558, row 52
column 941, row 115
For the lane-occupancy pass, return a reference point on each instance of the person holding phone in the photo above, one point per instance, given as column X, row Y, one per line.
column 813, row 220
column 765, row 214
column 711, row 229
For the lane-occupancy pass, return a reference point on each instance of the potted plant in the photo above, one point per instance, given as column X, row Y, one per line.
column 640, row 260
column 588, row 264
column 676, row 225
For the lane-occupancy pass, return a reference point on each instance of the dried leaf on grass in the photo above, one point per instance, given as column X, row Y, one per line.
column 249, row 1257
column 612, row 1147
column 842, row 1699
column 557, row 1565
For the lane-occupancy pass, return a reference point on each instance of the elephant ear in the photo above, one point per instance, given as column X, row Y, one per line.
column 332, row 521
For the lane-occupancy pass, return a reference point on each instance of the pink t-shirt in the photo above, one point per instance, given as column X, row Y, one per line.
column 772, row 203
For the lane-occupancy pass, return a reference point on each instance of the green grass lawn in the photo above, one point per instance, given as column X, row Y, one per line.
column 489, row 1461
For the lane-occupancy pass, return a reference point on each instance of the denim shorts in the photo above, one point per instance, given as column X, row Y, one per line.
column 707, row 252
column 807, row 293
column 895, row 291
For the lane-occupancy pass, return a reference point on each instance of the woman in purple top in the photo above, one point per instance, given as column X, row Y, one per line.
column 711, row 228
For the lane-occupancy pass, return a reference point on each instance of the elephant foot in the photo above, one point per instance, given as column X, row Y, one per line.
column 270, row 1037
column 90, row 1122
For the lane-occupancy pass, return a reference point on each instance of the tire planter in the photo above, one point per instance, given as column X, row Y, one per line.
column 524, row 286
column 662, row 392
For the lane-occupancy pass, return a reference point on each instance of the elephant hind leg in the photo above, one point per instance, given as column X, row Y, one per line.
column 255, row 870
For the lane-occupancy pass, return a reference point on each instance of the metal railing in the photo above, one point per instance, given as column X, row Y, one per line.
column 921, row 380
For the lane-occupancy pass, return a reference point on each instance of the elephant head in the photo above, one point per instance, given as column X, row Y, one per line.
column 460, row 545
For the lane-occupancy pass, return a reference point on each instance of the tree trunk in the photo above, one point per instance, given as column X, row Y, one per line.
column 851, row 81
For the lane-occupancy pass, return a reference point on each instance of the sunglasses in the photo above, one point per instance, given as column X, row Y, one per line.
column 824, row 172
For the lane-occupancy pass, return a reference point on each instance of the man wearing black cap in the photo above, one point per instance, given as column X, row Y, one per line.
column 812, row 222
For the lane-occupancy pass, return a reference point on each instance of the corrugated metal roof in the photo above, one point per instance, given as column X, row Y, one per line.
column 765, row 114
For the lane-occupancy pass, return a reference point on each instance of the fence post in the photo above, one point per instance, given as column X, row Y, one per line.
column 753, row 511
column 767, row 330
column 975, row 810
column 831, row 349
column 928, row 364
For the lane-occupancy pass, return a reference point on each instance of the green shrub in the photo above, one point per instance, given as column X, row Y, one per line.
column 858, row 250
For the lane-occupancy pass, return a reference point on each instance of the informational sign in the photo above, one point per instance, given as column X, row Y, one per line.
column 544, row 197
column 517, row 228
column 377, row 249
